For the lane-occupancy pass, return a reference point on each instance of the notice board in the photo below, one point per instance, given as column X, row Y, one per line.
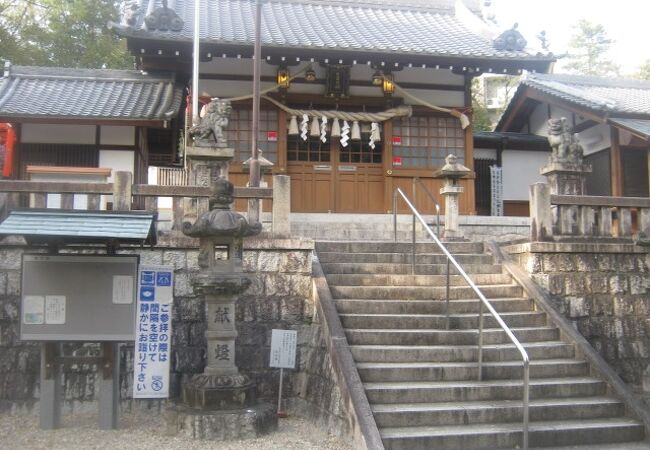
column 78, row 298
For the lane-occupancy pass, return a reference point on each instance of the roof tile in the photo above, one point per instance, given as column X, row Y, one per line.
column 51, row 92
column 407, row 26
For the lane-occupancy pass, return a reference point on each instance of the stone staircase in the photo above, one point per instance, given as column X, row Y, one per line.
column 421, row 378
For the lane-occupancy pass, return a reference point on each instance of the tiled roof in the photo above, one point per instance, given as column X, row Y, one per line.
column 418, row 27
column 79, row 226
column 638, row 126
column 53, row 92
column 613, row 95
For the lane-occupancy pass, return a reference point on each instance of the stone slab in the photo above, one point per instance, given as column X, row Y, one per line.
column 249, row 423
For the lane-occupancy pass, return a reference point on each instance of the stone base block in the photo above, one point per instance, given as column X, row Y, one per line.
column 248, row 423
column 214, row 392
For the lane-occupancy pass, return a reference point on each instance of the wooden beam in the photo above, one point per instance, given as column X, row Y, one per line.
column 515, row 109
column 596, row 116
column 615, row 164
column 596, row 200
column 85, row 121
column 584, row 126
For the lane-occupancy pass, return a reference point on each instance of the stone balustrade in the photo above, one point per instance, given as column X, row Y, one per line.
column 575, row 216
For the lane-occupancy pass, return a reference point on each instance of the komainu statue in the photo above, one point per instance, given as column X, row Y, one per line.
column 210, row 130
column 565, row 145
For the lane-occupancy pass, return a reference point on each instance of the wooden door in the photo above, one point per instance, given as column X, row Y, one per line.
column 309, row 164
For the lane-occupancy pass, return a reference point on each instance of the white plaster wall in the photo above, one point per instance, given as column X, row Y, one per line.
column 485, row 153
column 595, row 139
column 117, row 160
column 37, row 133
column 54, row 200
column 520, row 170
column 112, row 135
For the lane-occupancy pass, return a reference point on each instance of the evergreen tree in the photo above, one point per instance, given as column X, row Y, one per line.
column 587, row 50
column 68, row 33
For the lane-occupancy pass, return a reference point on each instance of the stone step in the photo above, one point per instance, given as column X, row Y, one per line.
column 402, row 258
column 454, row 371
column 359, row 306
column 405, row 268
column 397, row 247
column 467, row 413
column 461, row 391
column 439, row 321
column 424, row 292
column 508, row 435
column 446, row 337
column 464, row 353
column 415, row 280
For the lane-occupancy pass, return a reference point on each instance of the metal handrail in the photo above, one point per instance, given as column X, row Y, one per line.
column 483, row 303
column 416, row 182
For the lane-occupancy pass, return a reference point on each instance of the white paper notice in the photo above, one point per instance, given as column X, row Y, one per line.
column 55, row 309
column 283, row 348
column 123, row 289
column 33, row 310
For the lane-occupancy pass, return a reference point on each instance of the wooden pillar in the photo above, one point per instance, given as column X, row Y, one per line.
column 469, row 149
column 615, row 164
column 388, row 165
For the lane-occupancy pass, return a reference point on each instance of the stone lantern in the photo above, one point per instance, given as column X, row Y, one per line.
column 451, row 172
column 220, row 403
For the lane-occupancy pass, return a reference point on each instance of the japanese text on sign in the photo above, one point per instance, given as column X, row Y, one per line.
column 283, row 348
column 153, row 332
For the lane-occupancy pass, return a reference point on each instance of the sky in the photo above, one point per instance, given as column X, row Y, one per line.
column 626, row 21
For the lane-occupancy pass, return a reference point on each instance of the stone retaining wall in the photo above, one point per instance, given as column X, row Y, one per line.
column 281, row 297
column 604, row 289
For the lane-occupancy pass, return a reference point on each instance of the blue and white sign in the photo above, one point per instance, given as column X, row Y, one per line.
column 153, row 332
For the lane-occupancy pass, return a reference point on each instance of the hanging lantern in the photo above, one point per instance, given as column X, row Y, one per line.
column 315, row 128
column 377, row 78
column 293, row 126
column 304, row 127
column 345, row 134
column 336, row 129
column 356, row 131
column 283, row 78
column 323, row 129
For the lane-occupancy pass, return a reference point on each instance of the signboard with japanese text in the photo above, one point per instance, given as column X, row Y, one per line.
column 496, row 185
column 283, row 348
column 153, row 331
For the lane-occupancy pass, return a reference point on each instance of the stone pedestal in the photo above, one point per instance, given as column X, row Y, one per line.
column 451, row 193
column 220, row 386
column 451, row 172
column 566, row 178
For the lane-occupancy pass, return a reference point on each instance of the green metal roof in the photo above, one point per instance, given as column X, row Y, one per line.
column 41, row 225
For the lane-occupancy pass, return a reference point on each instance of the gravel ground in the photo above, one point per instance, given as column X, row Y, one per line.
column 137, row 433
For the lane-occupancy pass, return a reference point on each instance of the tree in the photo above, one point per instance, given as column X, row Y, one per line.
column 587, row 50
column 501, row 88
column 71, row 33
column 644, row 71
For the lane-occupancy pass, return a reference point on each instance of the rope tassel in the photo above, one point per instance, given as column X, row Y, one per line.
column 336, row 129
column 315, row 128
column 293, row 126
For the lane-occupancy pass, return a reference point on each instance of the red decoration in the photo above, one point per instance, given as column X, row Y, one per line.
column 272, row 136
column 397, row 140
column 397, row 160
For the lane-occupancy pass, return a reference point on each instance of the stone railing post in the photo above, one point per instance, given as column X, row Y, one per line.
column 122, row 187
column 541, row 222
column 281, row 205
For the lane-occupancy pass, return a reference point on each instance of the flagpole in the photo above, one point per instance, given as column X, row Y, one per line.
column 195, row 62
column 254, row 167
